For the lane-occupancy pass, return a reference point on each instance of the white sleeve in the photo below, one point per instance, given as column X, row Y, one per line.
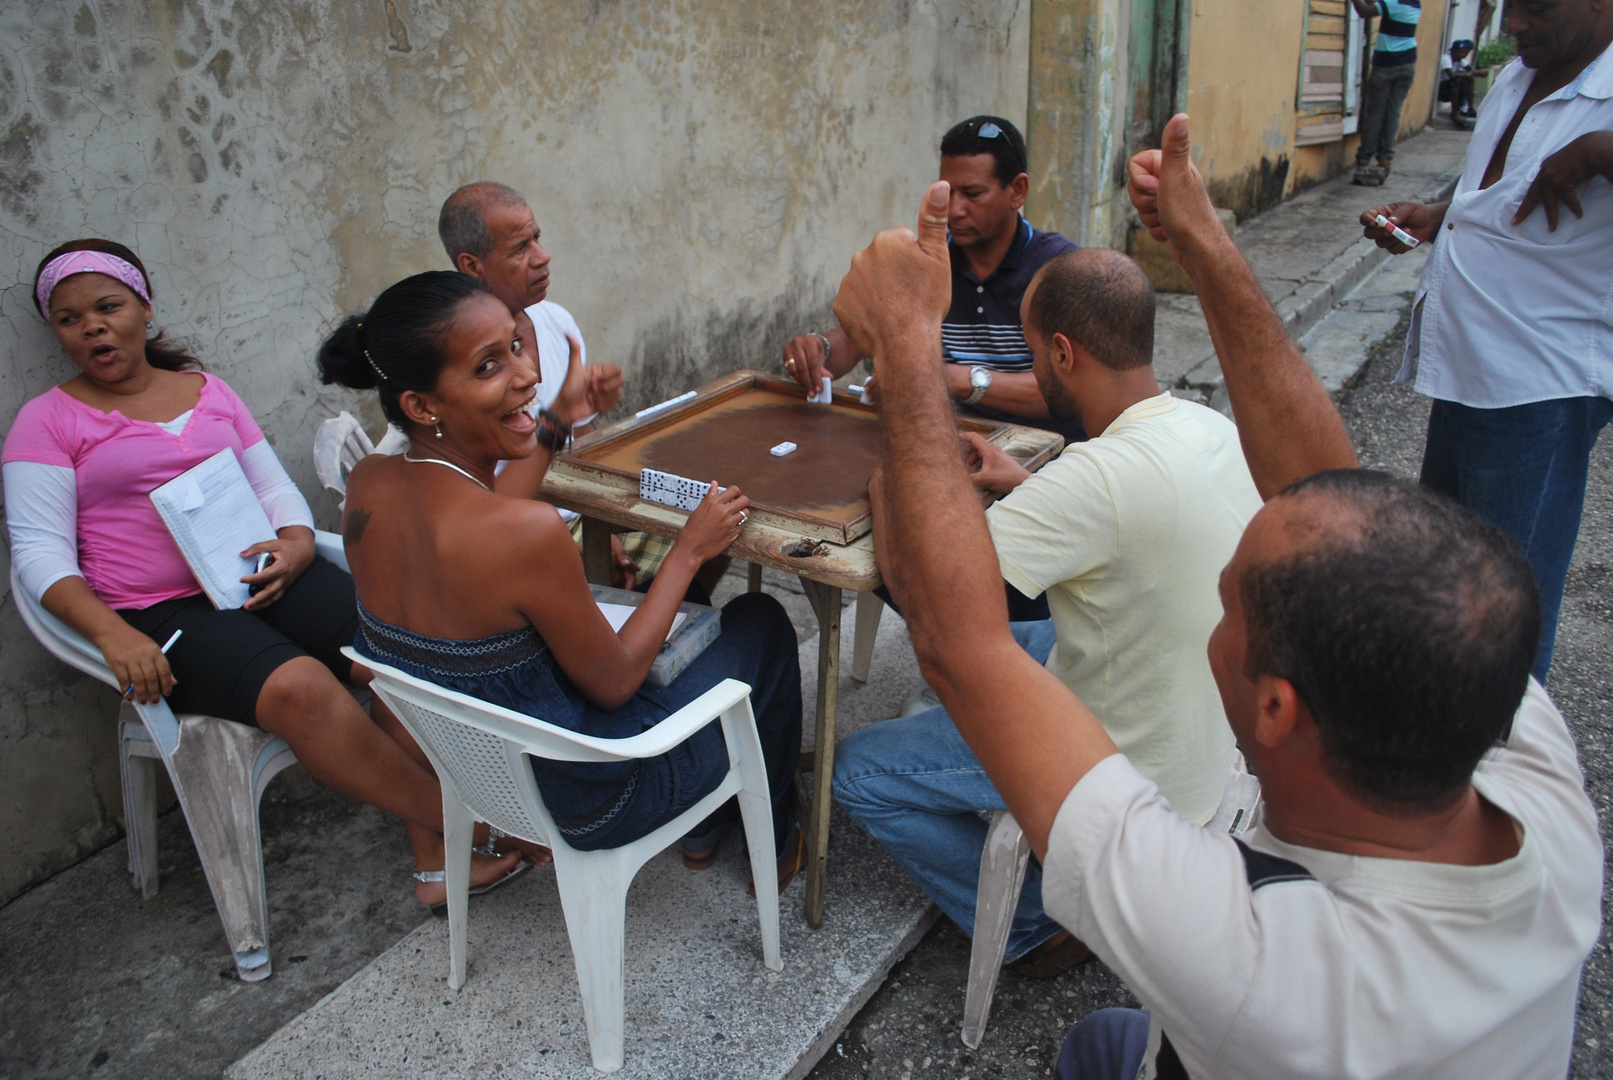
column 42, row 521
column 570, row 326
column 280, row 498
column 1164, row 903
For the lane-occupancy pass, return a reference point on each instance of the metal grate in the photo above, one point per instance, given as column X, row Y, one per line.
column 477, row 762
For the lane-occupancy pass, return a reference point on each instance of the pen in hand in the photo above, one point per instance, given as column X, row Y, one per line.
column 128, row 690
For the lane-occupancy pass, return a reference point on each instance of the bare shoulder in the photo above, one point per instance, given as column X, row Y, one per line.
column 523, row 525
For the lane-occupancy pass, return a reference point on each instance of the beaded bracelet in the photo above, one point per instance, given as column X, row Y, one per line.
column 551, row 432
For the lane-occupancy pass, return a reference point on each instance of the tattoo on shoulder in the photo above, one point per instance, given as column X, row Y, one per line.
column 353, row 529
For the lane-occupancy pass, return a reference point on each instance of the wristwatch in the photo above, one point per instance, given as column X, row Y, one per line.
column 980, row 380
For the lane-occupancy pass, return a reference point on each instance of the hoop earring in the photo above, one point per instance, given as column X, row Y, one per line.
column 438, row 427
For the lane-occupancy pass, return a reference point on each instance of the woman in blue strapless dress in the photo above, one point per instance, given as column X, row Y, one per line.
column 485, row 594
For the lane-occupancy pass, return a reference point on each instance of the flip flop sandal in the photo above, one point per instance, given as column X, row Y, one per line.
column 433, row 877
column 495, row 834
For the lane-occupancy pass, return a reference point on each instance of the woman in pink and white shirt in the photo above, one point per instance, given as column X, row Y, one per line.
column 78, row 466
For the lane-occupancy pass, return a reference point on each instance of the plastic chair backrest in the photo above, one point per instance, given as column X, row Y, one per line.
column 483, row 748
column 339, row 444
column 484, row 767
column 59, row 639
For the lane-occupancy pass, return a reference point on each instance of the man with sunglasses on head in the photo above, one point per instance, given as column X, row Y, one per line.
column 995, row 252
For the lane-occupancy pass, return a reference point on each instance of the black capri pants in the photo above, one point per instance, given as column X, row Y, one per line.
column 223, row 658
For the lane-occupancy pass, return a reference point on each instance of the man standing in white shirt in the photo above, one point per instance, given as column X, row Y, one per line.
column 1125, row 533
column 1425, row 884
column 1512, row 332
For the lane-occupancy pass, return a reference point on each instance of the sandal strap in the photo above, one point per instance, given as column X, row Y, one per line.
column 494, row 835
column 431, row 877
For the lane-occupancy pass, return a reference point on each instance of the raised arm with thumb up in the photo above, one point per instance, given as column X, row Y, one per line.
column 1286, row 420
column 900, row 284
column 1170, row 196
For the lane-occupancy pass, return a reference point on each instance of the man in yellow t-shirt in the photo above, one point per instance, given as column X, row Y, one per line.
column 1127, row 535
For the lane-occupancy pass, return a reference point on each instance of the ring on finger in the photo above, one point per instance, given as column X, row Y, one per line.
column 743, row 517
column 790, row 362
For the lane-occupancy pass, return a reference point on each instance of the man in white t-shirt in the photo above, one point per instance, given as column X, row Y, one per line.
column 1424, row 886
column 490, row 233
column 1126, row 534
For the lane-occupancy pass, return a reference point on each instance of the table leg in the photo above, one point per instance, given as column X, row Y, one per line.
column 596, row 551
column 753, row 578
column 826, row 603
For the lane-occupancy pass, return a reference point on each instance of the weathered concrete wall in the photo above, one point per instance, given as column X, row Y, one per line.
column 1079, row 81
column 702, row 170
column 1241, row 89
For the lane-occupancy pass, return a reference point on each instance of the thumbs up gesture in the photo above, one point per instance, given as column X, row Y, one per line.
column 1170, row 196
column 900, row 286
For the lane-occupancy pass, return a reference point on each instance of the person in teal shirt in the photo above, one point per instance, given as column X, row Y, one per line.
column 1394, row 66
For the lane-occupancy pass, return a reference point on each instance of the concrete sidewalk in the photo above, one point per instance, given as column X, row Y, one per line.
column 1309, row 255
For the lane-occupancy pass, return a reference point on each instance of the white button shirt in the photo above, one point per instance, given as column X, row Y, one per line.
column 1511, row 314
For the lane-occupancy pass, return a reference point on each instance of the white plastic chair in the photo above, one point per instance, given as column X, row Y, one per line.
column 340, row 443
column 481, row 751
column 218, row 768
column 1003, row 863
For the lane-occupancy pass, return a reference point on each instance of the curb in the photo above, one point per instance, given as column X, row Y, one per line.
column 1309, row 304
column 1314, row 299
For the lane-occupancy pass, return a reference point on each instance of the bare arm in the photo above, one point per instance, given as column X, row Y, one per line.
column 1287, row 423
column 133, row 657
column 1035, row 739
column 1365, row 8
column 1013, row 392
column 810, row 365
column 609, row 667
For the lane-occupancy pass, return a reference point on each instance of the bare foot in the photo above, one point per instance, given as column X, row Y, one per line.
column 484, row 869
column 536, row 854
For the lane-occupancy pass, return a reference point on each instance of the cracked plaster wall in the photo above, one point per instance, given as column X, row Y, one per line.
column 702, row 171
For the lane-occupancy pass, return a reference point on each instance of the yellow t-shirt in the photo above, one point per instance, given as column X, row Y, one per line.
column 1127, row 535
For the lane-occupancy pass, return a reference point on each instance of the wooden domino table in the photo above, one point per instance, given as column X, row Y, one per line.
column 809, row 513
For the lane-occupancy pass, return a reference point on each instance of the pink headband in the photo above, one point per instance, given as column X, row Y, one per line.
column 87, row 262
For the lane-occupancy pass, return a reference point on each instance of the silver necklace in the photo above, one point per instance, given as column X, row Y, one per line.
column 448, row 464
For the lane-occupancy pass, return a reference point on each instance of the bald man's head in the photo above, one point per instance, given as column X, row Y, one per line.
column 462, row 223
column 1099, row 299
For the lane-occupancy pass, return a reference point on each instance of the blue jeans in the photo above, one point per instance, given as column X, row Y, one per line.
column 1523, row 468
column 916, row 787
column 1108, row 1045
column 1380, row 110
column 756, row 646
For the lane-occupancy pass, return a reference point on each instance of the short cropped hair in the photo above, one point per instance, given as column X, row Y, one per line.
column 1007, row 145
column 461, row 225
column 1102, row 301
column 1408, row 631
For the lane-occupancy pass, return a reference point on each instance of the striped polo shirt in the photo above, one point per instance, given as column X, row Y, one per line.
column 1397, row 32
column 982, row 327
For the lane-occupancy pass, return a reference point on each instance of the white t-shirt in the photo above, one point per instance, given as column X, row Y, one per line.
column 1127, row 534
column 1512, row 314
column 1282, row 961
column 552, row 323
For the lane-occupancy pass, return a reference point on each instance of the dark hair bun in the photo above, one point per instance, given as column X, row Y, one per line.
column 341, row 358
column 398, row 344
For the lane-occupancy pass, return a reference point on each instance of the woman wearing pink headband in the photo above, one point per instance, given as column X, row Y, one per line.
column 78, row 466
